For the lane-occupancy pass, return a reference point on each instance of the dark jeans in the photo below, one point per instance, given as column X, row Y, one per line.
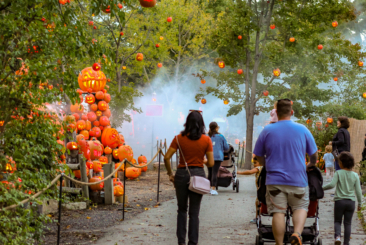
column 212, row 173
column 337, row 165
column 343, row 208
column 181, row 181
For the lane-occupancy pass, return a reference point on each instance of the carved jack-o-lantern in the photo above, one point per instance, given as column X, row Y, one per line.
column 276, row 72
column 125, row 151
column 115, row 153
column 90, row 79
column 85, row 133
column 102, row 105
column 139, row 57
column 80, row 125
column 221, row 64
column 133, row 173
column 99, row 113
column 90, row 99
column 110, row 137
column 72, row 146
column 103, row 160
column 96, row 149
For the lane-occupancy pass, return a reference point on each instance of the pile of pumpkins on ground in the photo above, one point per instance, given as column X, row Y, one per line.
column 96, row 139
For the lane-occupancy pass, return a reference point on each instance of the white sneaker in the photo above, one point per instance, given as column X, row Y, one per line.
column 337, row 241
column 214, row 193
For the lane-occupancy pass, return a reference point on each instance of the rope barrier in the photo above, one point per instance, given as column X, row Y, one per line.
column 142, row 166
column 34, row 196
column 78, row 182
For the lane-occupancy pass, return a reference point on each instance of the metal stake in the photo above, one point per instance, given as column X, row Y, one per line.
column 59, row 211
column 124, row 190
column 159, row 175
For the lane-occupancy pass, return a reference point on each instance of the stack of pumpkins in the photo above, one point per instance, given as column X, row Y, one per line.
column 96, row 139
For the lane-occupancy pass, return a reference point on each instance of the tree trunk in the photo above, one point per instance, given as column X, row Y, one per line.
column 249, row 140
column 119, row 81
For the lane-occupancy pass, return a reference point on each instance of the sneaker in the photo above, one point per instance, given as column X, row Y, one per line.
column 337, row 241
column 214, row 193
column 332, row 195
column 295, row 239
column 253, row 221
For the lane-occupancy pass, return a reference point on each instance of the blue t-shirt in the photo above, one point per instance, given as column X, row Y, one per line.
column 284, row 145
column 329, row 160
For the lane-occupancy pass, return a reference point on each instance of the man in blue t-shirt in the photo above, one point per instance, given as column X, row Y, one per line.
column 281, row 147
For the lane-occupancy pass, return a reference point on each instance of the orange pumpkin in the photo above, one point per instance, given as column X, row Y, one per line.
column 97, row 187
column 77, row 173
column 142, row 159
column 102, row 105
column 107, row 113
column 147, row 3
column 221, row 64
column 97, row 166
column 103, row 160
column 99, row 113
column 84, row 117
column 144, row 169
column 118, row 190
column 121, row 140
column 104, row 121
column 96, row 149
column 77, row 108
column 107, row 97
column 121, row 168
column 133, row 173
column 91, row 79
column 99, row 95
column 139, row 57
column 94, row 107
column 107, row 150
column 90, row 99
column 89, row 164
column 80, row 125
column 96, row 123
column 76, row 116
column 88, row 125
column 101, row 128
column 115, row 153
column 80, row 139
column 125, row 151
column 85, row 133
column 69, row 119
column 110, row 137
column 91, row 116
column 97, row 132
column 72, row 146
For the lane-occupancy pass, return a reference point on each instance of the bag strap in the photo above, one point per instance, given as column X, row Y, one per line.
column 181, row 152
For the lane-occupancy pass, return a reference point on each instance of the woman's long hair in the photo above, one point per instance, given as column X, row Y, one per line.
column 194, row 126
column 213, row 129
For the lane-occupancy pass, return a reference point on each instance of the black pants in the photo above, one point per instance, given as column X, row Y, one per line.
column 212, row 173
column 343, row 208
column 181, row 181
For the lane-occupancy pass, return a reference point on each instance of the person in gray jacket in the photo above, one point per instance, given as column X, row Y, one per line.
column 219, row 146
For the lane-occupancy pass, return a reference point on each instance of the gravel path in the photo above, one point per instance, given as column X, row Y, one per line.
column 224, row 219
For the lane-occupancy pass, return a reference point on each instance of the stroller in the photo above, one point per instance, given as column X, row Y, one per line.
column 310, row 233
column 224, row 177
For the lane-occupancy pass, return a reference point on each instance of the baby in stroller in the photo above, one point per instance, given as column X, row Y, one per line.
column 310, row 233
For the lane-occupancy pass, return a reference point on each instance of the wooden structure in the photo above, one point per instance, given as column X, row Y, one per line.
column 357, row 131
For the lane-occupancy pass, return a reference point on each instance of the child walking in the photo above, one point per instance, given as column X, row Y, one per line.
column 329, row 162
column 273, row 114
column 257, row 171
column 347, row 183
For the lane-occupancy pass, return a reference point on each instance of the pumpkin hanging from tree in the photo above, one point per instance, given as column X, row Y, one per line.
column 91, row 79
column 147, row 3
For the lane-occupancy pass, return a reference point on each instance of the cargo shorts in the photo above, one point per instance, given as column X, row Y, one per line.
column 279, row 197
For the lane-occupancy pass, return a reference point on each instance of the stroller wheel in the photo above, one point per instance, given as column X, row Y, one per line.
column 234, row 185
column 258, row 240
column 237, row 185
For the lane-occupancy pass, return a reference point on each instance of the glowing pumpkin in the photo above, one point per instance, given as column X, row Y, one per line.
column 221, row 64
column 89, row 164
column 90, row 79
column 84, row 117
column 139, row 57
column 276, row 72
column 118, row 190
column 80, row 125
column 97, row 166
column 203, row 101
column 96, row 187
column 292, row 39
column 144, row 169
column 110, row 137
column 90, row 99
column 85, row 133
column 99, row 113
column 115, row 153
column 96, row 150
column 77, row 173
column 103, row 160
column 76, row 116
column 72, row 146
column 125, row 151
column 133, row 173
column 330, row 120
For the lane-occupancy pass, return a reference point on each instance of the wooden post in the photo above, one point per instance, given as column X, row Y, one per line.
column 84, row 176
column 108, row 184
column 109, row 156
column 243, row 155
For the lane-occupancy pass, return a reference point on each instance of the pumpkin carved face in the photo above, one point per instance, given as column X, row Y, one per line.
column 80, row 139
column 221, row 64
column 139, row 57
column 85, row 133
column 115, row 153
column 276, row 72
column 103, row 160
column 97, row 187
column 97, row 166
column 91, row 79
column 102, row 105
column 118, row 190
column 80, row 125
column 99, row 113
column 133, row 173
column 72, row 146
column 110, row 137
column 89, row 164
column 96, row 150
column 125, row 151
column 90, row 99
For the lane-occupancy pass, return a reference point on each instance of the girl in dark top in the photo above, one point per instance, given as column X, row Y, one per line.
column 341, row 140
column 194, row 145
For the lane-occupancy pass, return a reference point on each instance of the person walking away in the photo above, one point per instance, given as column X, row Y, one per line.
column 257, row 171
column 273, row 114
column 281, row 148
column 341, row 140
column 220, row 145
column 347, row 183
column 194, row 146
column 364, row 150
column 329, row 162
